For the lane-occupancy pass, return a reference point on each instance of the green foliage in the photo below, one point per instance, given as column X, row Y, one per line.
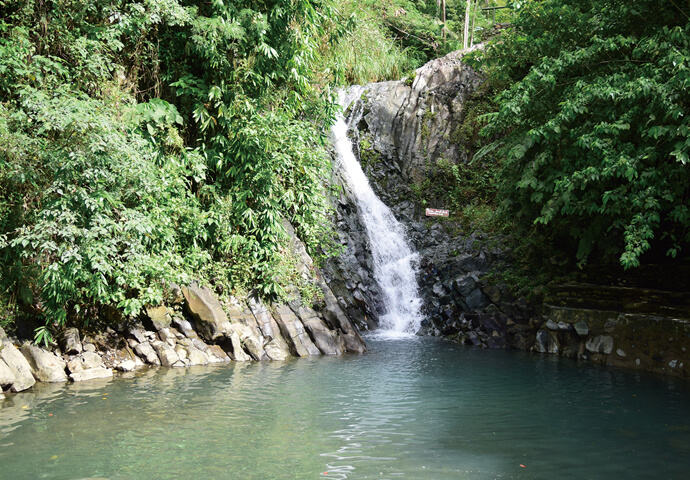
column 362, row 52
column 593, row 124
column 150, row 142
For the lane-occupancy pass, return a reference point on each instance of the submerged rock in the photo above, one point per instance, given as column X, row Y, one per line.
column 91, row 374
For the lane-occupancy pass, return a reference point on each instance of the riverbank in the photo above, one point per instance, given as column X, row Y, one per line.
column 195, row 329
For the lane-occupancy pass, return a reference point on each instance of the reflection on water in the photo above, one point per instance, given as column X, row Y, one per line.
column 412, row 408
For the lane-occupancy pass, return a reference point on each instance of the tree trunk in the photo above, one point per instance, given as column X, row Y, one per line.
column 444, row 21
column 466, row 32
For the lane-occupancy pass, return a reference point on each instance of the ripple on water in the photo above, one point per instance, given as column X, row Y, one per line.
column 411, row 408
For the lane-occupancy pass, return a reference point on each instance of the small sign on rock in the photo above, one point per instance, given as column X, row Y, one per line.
column 436, row 212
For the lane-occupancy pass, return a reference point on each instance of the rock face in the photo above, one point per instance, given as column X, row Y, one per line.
column 638, row 320
column 411, row 125
column 400, row 129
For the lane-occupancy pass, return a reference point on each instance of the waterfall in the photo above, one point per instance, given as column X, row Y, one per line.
column 394, row 260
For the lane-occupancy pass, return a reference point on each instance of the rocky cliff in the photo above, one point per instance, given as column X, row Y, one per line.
column 402, row 130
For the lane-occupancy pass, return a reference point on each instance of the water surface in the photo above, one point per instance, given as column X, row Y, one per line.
column 412, row 408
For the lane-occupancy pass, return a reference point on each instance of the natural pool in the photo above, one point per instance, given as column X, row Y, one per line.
column 414, row 408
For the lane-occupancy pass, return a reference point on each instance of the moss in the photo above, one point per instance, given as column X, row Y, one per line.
column 427, row 120
column 368, row 156
column 409, row 80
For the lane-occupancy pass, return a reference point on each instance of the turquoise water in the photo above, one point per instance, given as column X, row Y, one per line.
column 411, row 408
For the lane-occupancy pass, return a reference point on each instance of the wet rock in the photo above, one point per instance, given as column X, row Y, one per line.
column 545, row 342
column 91, row 374
column 600, row 344
column 167, row 355
column 45, row 366
column 89, row 347
column 18, row 365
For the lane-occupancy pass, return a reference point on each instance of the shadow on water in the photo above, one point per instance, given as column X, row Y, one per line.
column 414, row 408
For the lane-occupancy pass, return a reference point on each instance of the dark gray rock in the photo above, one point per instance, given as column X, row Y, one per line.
column 545, row 342
column 600, row 344
column 70, row 341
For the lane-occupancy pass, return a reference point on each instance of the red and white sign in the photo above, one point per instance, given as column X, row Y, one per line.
column 435, row 212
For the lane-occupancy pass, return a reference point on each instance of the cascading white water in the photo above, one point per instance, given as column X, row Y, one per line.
column 394, row 260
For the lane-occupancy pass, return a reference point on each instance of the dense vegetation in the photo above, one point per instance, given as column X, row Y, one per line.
column 593, row 127
column 144, row 143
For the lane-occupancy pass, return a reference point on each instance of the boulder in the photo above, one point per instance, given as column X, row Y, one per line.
column 211, row 319
column 159, row 316
column 581, row 328
column 45, row 366
column 146, row 352
column 249, row 340
column 216, row 354
column 326, row 340
column 18, row 365
column 90, row 360
column 600, row 344
column 545, row 343
column 263, row 318
column 137, row 334
column 70, row 341
column 336, row 317
column 185, row 327
column 127, row 366
column 196, row 356
column 7, row 378
column 167, row 354
column 91, row 374
column 233, row 346
column 276, row 351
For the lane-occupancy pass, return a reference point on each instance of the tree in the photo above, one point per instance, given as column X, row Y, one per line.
column 593, row 124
